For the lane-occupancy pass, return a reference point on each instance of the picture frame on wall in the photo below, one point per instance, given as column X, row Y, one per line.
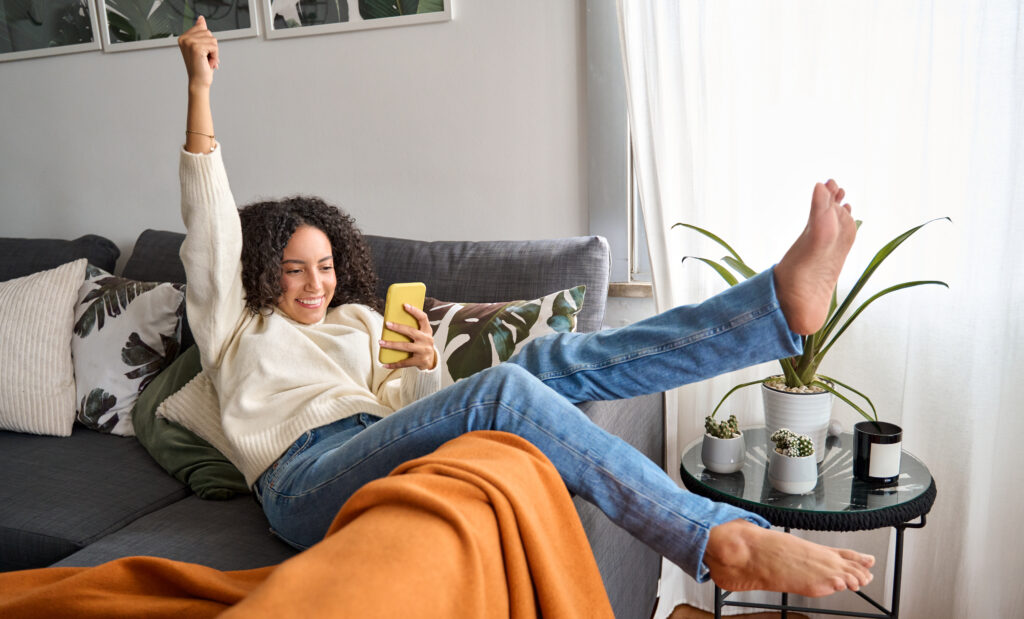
column 34, row 28
column 142, row 24
column 291, row 18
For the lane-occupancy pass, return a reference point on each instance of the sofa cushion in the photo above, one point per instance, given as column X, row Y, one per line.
column 37, row 380
column 61, row 494
column 180, row 452
column 476, row 336
column 493, row 271
column 20, row 257
column 225, row 535
column 155, row 258
column 125, row 333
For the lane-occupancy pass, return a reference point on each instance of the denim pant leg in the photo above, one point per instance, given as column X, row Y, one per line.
column 740, row 327
column 306, row 489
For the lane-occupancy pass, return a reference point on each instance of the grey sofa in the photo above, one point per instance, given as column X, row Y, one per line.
column 91, row 497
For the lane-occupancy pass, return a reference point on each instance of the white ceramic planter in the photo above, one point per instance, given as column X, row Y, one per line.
column 803, row 413
column 723, row 455
column 792, row 475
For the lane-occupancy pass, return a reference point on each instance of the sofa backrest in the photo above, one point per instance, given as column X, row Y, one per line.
column 490, row 271
column 466, row 271
column 21, row 257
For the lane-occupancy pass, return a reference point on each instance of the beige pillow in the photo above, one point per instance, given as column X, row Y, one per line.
column 197, row 407
column 37, row 379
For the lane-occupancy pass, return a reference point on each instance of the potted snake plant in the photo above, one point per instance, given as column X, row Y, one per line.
column 800, row 398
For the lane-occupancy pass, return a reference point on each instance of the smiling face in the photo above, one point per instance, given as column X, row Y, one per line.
column 307, row 275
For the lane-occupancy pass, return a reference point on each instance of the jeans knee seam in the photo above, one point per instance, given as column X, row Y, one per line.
column 598, row 467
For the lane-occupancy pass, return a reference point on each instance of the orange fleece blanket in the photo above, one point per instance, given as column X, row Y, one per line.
column 482, row 527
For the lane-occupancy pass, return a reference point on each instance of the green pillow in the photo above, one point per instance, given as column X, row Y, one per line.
column 190, row 459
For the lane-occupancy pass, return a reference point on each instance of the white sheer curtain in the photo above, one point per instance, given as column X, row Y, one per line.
column 916, row 107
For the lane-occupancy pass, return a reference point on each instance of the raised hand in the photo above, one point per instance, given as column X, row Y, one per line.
column 199, row 50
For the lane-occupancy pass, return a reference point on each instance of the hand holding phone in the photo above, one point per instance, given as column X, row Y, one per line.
column 394, row 312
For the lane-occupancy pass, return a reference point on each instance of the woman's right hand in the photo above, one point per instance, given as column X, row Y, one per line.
column 199, row 50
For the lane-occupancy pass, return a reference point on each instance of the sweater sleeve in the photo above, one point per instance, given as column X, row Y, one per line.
column 397, row 388
column 211, row 253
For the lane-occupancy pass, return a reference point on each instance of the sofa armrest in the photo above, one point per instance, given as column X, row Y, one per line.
column 629, row 568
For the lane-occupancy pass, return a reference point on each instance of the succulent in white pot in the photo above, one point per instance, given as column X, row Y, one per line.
column 792, row 468
column 724, row 447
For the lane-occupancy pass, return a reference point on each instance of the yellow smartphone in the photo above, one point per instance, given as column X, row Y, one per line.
column 412, row 293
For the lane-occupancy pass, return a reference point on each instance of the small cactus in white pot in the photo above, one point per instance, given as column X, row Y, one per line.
column 724, row 448
column 792, row 467
column 730, row 428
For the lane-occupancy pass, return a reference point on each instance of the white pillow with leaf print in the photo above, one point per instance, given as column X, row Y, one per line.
column 475, row 336
column 125, row 332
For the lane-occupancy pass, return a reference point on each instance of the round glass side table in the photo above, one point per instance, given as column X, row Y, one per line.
column 839, row 502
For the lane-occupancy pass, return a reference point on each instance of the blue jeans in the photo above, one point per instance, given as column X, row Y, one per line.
column 533, row 396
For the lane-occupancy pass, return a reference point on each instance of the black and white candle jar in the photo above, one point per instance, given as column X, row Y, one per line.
column 877, row 446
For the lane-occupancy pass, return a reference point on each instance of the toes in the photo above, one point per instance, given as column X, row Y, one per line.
column 822, row 197
column 839, row 584
column 857, row 557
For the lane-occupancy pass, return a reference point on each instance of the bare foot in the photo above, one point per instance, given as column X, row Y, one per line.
column 743, row 557
column 807, row 274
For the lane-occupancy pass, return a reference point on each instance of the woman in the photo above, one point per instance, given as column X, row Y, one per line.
column 290, row 333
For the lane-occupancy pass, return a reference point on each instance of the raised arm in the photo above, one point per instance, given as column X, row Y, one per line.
column 211, row 253
column 199, row 49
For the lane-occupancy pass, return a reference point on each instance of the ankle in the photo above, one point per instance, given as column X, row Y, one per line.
column 729, row 544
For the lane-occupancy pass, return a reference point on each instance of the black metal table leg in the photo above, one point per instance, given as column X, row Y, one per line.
column 897, row 579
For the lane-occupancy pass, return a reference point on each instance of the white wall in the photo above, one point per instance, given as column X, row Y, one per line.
column 469, row 129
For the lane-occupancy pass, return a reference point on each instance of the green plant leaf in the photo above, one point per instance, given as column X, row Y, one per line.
column 868, row 272
column 430, row 6
column 878, row 295
column 739, row 267
column 375, row 9
column 845, row 386
column 733, row 390
column 830, row 389
column 789, row 374
column 713, row 238
column 721, row 270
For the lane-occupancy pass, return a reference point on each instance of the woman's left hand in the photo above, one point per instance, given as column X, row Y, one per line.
column 421, row 346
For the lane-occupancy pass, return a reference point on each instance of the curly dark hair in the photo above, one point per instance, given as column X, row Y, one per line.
column 268, row 226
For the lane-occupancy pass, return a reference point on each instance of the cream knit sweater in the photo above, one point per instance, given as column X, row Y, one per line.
column 275, row 378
